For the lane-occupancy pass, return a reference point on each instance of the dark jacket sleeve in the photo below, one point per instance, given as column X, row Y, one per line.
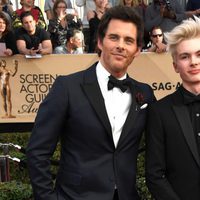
column 43, row 141
column 157, row 181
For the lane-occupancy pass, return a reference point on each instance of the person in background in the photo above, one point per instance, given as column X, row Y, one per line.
column 193, row 8
column 134, row 4
column 94, row 17
column 61, row 23
column 32, row 39
column 88, row 5
column 74, row 43
column 28, row 5
column 98, row 119
column 157, row 44
column 164, row 13
column 7, row 37
column 48, row 7
column 173, row 128
column 7, row 7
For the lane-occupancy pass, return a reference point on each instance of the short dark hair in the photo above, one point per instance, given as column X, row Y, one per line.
column 25, row 14
column 71, row 33
column 124, row 13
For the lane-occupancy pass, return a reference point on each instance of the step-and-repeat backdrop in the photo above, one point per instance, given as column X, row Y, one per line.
column 25, row 82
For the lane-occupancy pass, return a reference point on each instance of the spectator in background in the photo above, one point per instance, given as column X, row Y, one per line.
column 193, row 8
column 94, row 17
column 7, row 36
column 166, row 14
column 134, row 4
column 7, row 7
column 157, row 44
column 48, row 7
column 88, row 5
column 28, row 5
column 32, row 39
column 61, row 23
column 73, row 45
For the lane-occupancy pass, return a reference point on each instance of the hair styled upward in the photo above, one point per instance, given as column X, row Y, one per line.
column 188, row 29
column 124, row 13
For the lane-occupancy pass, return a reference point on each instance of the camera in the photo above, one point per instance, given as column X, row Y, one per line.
column 70, row 11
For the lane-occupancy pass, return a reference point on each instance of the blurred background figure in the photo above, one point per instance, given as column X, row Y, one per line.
column 85, row 6
column 28, row 5
column 61, row 23
column 74, row 43
column 7, row 37
column 94, row 17
column 164, row 13
column 48, row 7
column 193, row 8
column 7, row 7
column 157, row 44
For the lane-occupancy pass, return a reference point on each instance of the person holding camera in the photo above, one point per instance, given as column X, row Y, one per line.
column 62, row 22
column 164, row 13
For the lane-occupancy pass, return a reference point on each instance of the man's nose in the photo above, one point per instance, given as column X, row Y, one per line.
column 120, row 44
column 195, row 60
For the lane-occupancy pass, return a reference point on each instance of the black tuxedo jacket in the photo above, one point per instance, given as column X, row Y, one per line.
column 90, row 166
column 172, row 158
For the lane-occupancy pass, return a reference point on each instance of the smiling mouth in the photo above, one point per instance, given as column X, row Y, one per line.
column 195, row 71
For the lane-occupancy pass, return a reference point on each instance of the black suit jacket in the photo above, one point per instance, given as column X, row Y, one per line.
column 172, row 158
column 90, row 166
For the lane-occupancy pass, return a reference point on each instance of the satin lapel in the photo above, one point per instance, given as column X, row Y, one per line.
column 183, row 117
column 133, row 112
column 93, row 92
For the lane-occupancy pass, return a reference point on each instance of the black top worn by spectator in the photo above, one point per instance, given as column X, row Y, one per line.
column 33, row 41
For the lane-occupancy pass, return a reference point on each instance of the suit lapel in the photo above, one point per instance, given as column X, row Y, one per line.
column 93, row 92
column 183, row 117
column 132, row 115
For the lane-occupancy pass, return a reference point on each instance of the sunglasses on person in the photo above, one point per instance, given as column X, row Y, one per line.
column 157, row 35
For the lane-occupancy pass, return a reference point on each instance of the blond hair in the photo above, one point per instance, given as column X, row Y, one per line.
column 188, row 29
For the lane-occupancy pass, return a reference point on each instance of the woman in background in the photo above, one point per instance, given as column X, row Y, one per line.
column 7, row 37
column 61, row 23
column 94, row 17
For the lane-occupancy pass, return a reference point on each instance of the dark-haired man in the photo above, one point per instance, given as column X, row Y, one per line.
column 31, row 39
column 98, row 118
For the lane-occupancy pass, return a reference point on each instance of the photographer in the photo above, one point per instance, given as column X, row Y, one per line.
column 164, row 13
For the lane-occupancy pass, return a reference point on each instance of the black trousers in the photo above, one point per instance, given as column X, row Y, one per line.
column 115, row 197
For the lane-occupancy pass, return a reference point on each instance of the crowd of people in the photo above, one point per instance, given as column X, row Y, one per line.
column 34, row 35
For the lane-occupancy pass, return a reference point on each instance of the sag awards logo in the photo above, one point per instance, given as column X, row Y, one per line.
column 35, row 88
column 5, row 74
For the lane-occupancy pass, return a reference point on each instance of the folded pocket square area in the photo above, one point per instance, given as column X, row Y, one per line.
column 144, row 106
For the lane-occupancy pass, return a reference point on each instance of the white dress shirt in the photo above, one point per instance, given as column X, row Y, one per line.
column 117, row 103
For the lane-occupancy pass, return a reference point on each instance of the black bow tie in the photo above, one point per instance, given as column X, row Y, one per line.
column 122, row 84
column 191, row 99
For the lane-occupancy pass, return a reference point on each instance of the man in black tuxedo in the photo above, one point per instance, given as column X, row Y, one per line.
column 98, row 121
column 173, row 128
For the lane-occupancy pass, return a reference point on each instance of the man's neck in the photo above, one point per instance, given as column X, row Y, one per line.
column 194, row 88
column 27, row 8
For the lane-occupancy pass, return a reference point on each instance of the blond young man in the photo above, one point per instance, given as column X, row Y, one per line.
column 173, row 130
